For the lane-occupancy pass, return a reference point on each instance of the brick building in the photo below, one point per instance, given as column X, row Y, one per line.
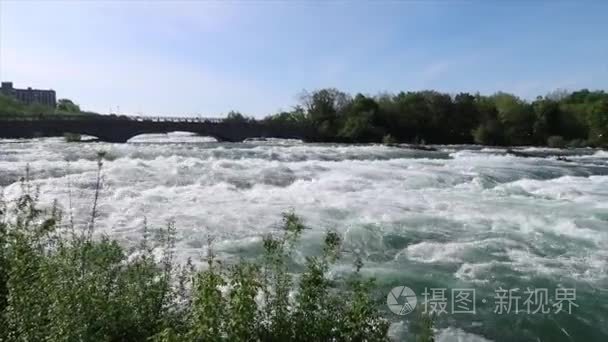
column 29, row 95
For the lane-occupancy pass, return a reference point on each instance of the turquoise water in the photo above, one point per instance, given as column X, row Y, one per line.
column 456, row 217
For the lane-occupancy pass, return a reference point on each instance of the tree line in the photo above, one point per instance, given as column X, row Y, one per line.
column 559, row 119
column 11, row 107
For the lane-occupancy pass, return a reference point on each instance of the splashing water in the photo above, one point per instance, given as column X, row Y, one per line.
column 456, row 217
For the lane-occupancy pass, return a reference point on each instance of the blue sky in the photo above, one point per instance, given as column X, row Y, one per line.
column 196, row 57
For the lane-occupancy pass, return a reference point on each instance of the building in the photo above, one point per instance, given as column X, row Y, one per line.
column 29, row 95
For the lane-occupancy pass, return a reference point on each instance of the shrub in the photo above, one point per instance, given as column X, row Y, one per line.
column 61, row 285
column 489, row 133
column 58, row 283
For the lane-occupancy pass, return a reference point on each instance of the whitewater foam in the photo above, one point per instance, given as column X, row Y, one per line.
column 333, row 185
column 472, row 216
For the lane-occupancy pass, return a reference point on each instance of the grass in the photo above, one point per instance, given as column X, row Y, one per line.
column 59, row 283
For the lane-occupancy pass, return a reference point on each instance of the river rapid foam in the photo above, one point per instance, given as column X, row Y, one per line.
column 459, row 216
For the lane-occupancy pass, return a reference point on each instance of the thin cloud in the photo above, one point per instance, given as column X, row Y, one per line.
column 434, row 71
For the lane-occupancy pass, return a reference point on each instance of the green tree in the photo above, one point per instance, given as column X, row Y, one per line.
column 547, row 121
column 296, row 116
column 237, row 117
column 465, row 118
column 325, row 109
column 598, row 123
column 490, row 130
column 10, row 106
column 440, row 117
column 362, row 117
column 66, row 105
column 517, row 118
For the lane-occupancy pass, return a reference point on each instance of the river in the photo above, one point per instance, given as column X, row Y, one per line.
column 458, row 217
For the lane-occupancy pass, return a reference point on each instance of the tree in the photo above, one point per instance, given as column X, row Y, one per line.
column 359, row 127
column 557, row 95
column 295, row 116
column 66, row 105
column 465, row 117
column 572, row 119
column 547, row 122
column 413, row 121
column 236, row 117
column 516, row 116
column 324, row 108
column 362, row 120
column 439, row 109
column 489, row 133
column 490, row 130
column 598, row 123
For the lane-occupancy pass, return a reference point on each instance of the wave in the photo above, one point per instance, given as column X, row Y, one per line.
column 461, row 208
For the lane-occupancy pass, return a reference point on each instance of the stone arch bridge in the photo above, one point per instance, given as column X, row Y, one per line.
column 118, row 129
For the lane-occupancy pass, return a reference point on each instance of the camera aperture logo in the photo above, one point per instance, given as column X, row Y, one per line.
column 401, row 300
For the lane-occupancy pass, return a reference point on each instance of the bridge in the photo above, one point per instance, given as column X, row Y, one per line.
column 119, row 129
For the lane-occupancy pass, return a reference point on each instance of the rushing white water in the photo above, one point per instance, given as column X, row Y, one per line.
column 459, row 216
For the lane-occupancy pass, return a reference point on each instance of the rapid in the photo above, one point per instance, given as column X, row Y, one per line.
column 450, row 217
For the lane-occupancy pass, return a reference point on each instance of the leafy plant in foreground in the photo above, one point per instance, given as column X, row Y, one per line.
column 64, row 283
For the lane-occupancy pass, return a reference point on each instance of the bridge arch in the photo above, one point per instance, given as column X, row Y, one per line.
column 175, row 136
column 120, row 130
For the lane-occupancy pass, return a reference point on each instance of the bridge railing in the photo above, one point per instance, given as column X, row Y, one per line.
column 185, row 119
column 175, row 119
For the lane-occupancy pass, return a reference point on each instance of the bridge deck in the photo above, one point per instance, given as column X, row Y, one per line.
column 114, row 128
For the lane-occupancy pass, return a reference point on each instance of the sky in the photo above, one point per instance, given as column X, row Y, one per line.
column 207, row 58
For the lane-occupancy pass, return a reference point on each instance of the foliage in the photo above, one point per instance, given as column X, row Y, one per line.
column 422, row 327
column 419, row 116
column 434, row 117
column 59, row 283
column 325, row 110
column 598, row 122
column 237, row 117
column 296, row 116
column 11, row 107
column 66, row 105
column 489, row 133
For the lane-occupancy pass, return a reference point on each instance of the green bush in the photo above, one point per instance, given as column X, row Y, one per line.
column 58, row 283
column 489, row 133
